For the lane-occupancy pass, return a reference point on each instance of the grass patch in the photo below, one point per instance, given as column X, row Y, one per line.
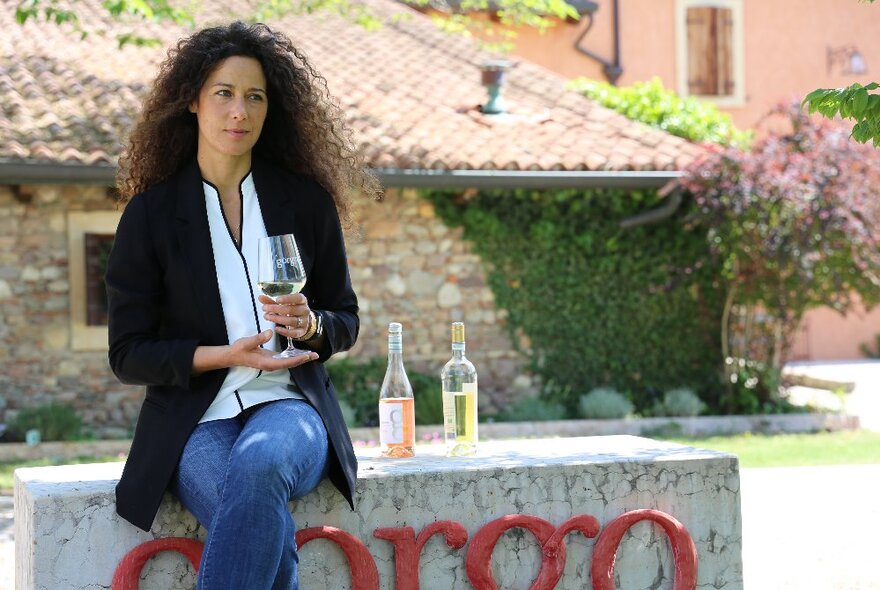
column 848, row 447
column 6, row 468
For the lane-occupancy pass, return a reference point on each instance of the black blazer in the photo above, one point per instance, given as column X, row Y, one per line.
column 164, row 302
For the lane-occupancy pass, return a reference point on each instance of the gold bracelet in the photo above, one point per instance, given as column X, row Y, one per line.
column 312, row 327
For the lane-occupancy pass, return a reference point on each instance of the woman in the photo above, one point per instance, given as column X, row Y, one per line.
column 236, row 141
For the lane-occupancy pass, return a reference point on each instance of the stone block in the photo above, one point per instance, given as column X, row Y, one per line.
column 449, row 295
column 68, row 535
column 30, row 274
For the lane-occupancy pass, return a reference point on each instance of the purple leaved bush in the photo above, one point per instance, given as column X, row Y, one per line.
column 792, row 224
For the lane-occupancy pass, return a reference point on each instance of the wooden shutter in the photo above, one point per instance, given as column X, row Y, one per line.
column 710, row 51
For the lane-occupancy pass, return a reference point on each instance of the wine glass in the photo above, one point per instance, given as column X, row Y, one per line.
column 281, row 272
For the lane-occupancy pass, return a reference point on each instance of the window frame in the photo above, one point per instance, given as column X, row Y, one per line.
column 738, row 98
column 96, row 294
column 84, row 337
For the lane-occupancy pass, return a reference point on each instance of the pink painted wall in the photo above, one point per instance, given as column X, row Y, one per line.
column 827, row 335
column 785, row 44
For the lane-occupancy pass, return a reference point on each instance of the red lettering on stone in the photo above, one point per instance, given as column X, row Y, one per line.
column 554, row 549
column 364, row 575
column 128, row 572
column 408, row 548
column 478, row 562
column 683, row 550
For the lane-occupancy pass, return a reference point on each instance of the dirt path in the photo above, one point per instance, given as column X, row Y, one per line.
column 811, row 528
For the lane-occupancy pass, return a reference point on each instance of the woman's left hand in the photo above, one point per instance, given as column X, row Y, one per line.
column 289, row 313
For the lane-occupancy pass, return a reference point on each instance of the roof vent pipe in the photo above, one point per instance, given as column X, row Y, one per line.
column 494, row 73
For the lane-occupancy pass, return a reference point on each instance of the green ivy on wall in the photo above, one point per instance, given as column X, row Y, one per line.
column 601, row 306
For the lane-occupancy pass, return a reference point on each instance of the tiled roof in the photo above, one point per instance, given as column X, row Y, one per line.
column 411, row 94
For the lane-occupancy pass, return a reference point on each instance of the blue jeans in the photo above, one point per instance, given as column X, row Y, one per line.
column 237, row 476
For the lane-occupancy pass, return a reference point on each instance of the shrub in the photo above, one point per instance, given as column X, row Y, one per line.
column 682, row 402
column 651, row 104
column 54, row 421
column 348, row 414
column 358, row 384
column 532, row 408
column 428, row 394
column 871, row 352
column 604, row 403
column 790, row 225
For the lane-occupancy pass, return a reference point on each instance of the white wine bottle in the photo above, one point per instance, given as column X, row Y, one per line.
column 459, row 379
column 397, row 411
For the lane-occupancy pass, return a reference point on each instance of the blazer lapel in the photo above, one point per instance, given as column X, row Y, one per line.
column 276, row 200
column 194, row 237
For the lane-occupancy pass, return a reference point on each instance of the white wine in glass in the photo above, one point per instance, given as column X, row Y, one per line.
column 281, row 272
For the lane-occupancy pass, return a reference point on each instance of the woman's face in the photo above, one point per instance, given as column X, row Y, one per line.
column 231, row 108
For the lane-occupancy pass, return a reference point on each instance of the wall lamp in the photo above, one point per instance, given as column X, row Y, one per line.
column 846, row 60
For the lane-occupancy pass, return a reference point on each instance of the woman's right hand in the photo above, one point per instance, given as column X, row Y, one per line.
column 245, row 352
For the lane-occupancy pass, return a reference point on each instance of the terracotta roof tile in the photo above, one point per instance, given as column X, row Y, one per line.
column 410, row 92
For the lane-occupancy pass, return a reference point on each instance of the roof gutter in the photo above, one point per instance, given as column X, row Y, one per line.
column 54, row 173
column 538, row 179
column 104, row 175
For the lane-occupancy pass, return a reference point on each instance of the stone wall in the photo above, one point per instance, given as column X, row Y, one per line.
column 38, row 363
column 406, row 266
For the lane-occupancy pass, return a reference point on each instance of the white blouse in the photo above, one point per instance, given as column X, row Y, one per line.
column 237, row 279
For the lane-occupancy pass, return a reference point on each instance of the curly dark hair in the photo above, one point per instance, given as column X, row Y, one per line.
column 304, row 131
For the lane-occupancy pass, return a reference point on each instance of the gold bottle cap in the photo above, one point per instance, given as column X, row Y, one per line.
column 458, row 331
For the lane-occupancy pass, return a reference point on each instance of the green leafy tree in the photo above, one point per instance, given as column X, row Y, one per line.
column 539, row 14
column 858, row 103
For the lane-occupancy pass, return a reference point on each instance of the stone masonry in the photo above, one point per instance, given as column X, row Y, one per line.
column 406, row 266
column 38, row 364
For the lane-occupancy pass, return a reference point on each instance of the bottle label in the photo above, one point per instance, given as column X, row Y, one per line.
column 395, row 343
column 391, row 422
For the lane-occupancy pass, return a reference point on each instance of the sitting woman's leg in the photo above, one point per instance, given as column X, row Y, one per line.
column 280, row 454
column 201, row 471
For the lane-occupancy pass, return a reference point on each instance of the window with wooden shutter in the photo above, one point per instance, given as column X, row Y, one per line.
column 709, row 48
column 710, row 51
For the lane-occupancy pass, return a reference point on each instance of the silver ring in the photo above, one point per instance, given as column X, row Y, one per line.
column 299, row 322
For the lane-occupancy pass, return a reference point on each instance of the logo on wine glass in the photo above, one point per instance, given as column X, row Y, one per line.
column 282, row 262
